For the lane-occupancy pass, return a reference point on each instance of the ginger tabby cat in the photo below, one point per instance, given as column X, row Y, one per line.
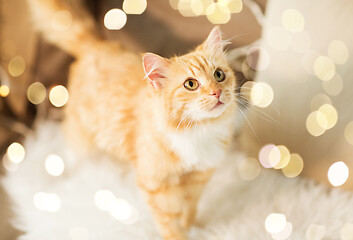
column 173, row 118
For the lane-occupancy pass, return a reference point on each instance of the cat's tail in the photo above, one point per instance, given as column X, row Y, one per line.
column 65, row 23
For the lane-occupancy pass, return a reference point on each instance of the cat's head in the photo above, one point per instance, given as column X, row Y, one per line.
column 197, row 86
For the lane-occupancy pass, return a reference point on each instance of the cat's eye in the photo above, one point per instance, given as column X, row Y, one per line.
column 219, row 75
column 191, row 84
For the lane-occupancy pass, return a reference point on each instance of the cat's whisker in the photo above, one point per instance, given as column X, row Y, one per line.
column 251, row 127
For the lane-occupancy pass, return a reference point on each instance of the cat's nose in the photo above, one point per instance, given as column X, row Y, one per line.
column 216, row 93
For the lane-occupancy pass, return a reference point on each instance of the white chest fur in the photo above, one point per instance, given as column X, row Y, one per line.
column 201, row 148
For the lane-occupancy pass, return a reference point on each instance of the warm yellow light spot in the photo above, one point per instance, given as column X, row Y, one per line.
column 293, row 20
column 308, row 61
column 184, row 7
column 4, row 90
column 121, row 210
column 16, row 66
column 338, row 52
column 312, row 124
column 235, row 6
column 346, row 232
column 319, row 100
column 8, row 165
column 301, row 42
column 261, row 94
column 348, row 133
column 245, row 90
column 324, row 68
column 315, row 232
column 197, row 7
column 330, row 114
column 294, row 167
column 338, row 173
column 134, row 6
column 205, row 5
column 16, row 152
column 249, row 169
column 334, row 86
column 258, row 58
column 61, row 20
column 284, row 234
column 104, row 199
column 58, row 96
column 269, row 156
column 278, row 38
column 47, row 202
column 218, row 13
column 54, row 165
column 275, row 222
column 79, row 233
column 36, row 93
column 285, row 157
column 115, row 19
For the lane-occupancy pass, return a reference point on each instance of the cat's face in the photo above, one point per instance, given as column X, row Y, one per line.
column 197, row 86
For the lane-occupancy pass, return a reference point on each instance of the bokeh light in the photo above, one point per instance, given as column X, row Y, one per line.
column 294, row 167
column 285, row 157
column 293, row 20
column 48, row 202
column 275, row 222
column 4, row 90
column 104, row 199
column 58, row 96
column 174, row 4
column 318, row 100
column 36, row 93
column 249, row 169
column 61, row 20
column 269, row 156
column 17, row 66
column 245, row 90
column 218, row 13
column 8, row 165
column 324, row 68
column 285, row 233
column 278, row 38
column 308, row 61
column 346, row 232
column 348, row 133
column 338, row 173
column 187, row 9
column 134, row 6
column 115, row 19
column 338, row 52
column 330, row 114
column 301, row 42
column 315, row 232
column 16, row 152
column 121, row 210
column 235, row 6
column 79, row 233
column 261, row 94
column 312, row 124
column 258, row 58
column 334, row 86
column 54, row 165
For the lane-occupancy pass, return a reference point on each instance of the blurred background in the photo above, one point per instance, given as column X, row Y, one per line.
column 299, row 54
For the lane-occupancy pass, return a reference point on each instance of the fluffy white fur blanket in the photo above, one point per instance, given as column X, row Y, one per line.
column 231, row 208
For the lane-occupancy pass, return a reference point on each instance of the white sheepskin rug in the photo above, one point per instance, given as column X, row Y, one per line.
column 70, row 206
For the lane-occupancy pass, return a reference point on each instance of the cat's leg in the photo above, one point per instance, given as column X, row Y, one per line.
column 166, row 203
column 194, row 184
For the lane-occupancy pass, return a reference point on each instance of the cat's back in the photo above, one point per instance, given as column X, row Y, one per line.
column 105, row 86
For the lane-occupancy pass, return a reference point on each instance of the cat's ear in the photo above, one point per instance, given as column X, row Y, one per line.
column 155, row 69
column 214, row 41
